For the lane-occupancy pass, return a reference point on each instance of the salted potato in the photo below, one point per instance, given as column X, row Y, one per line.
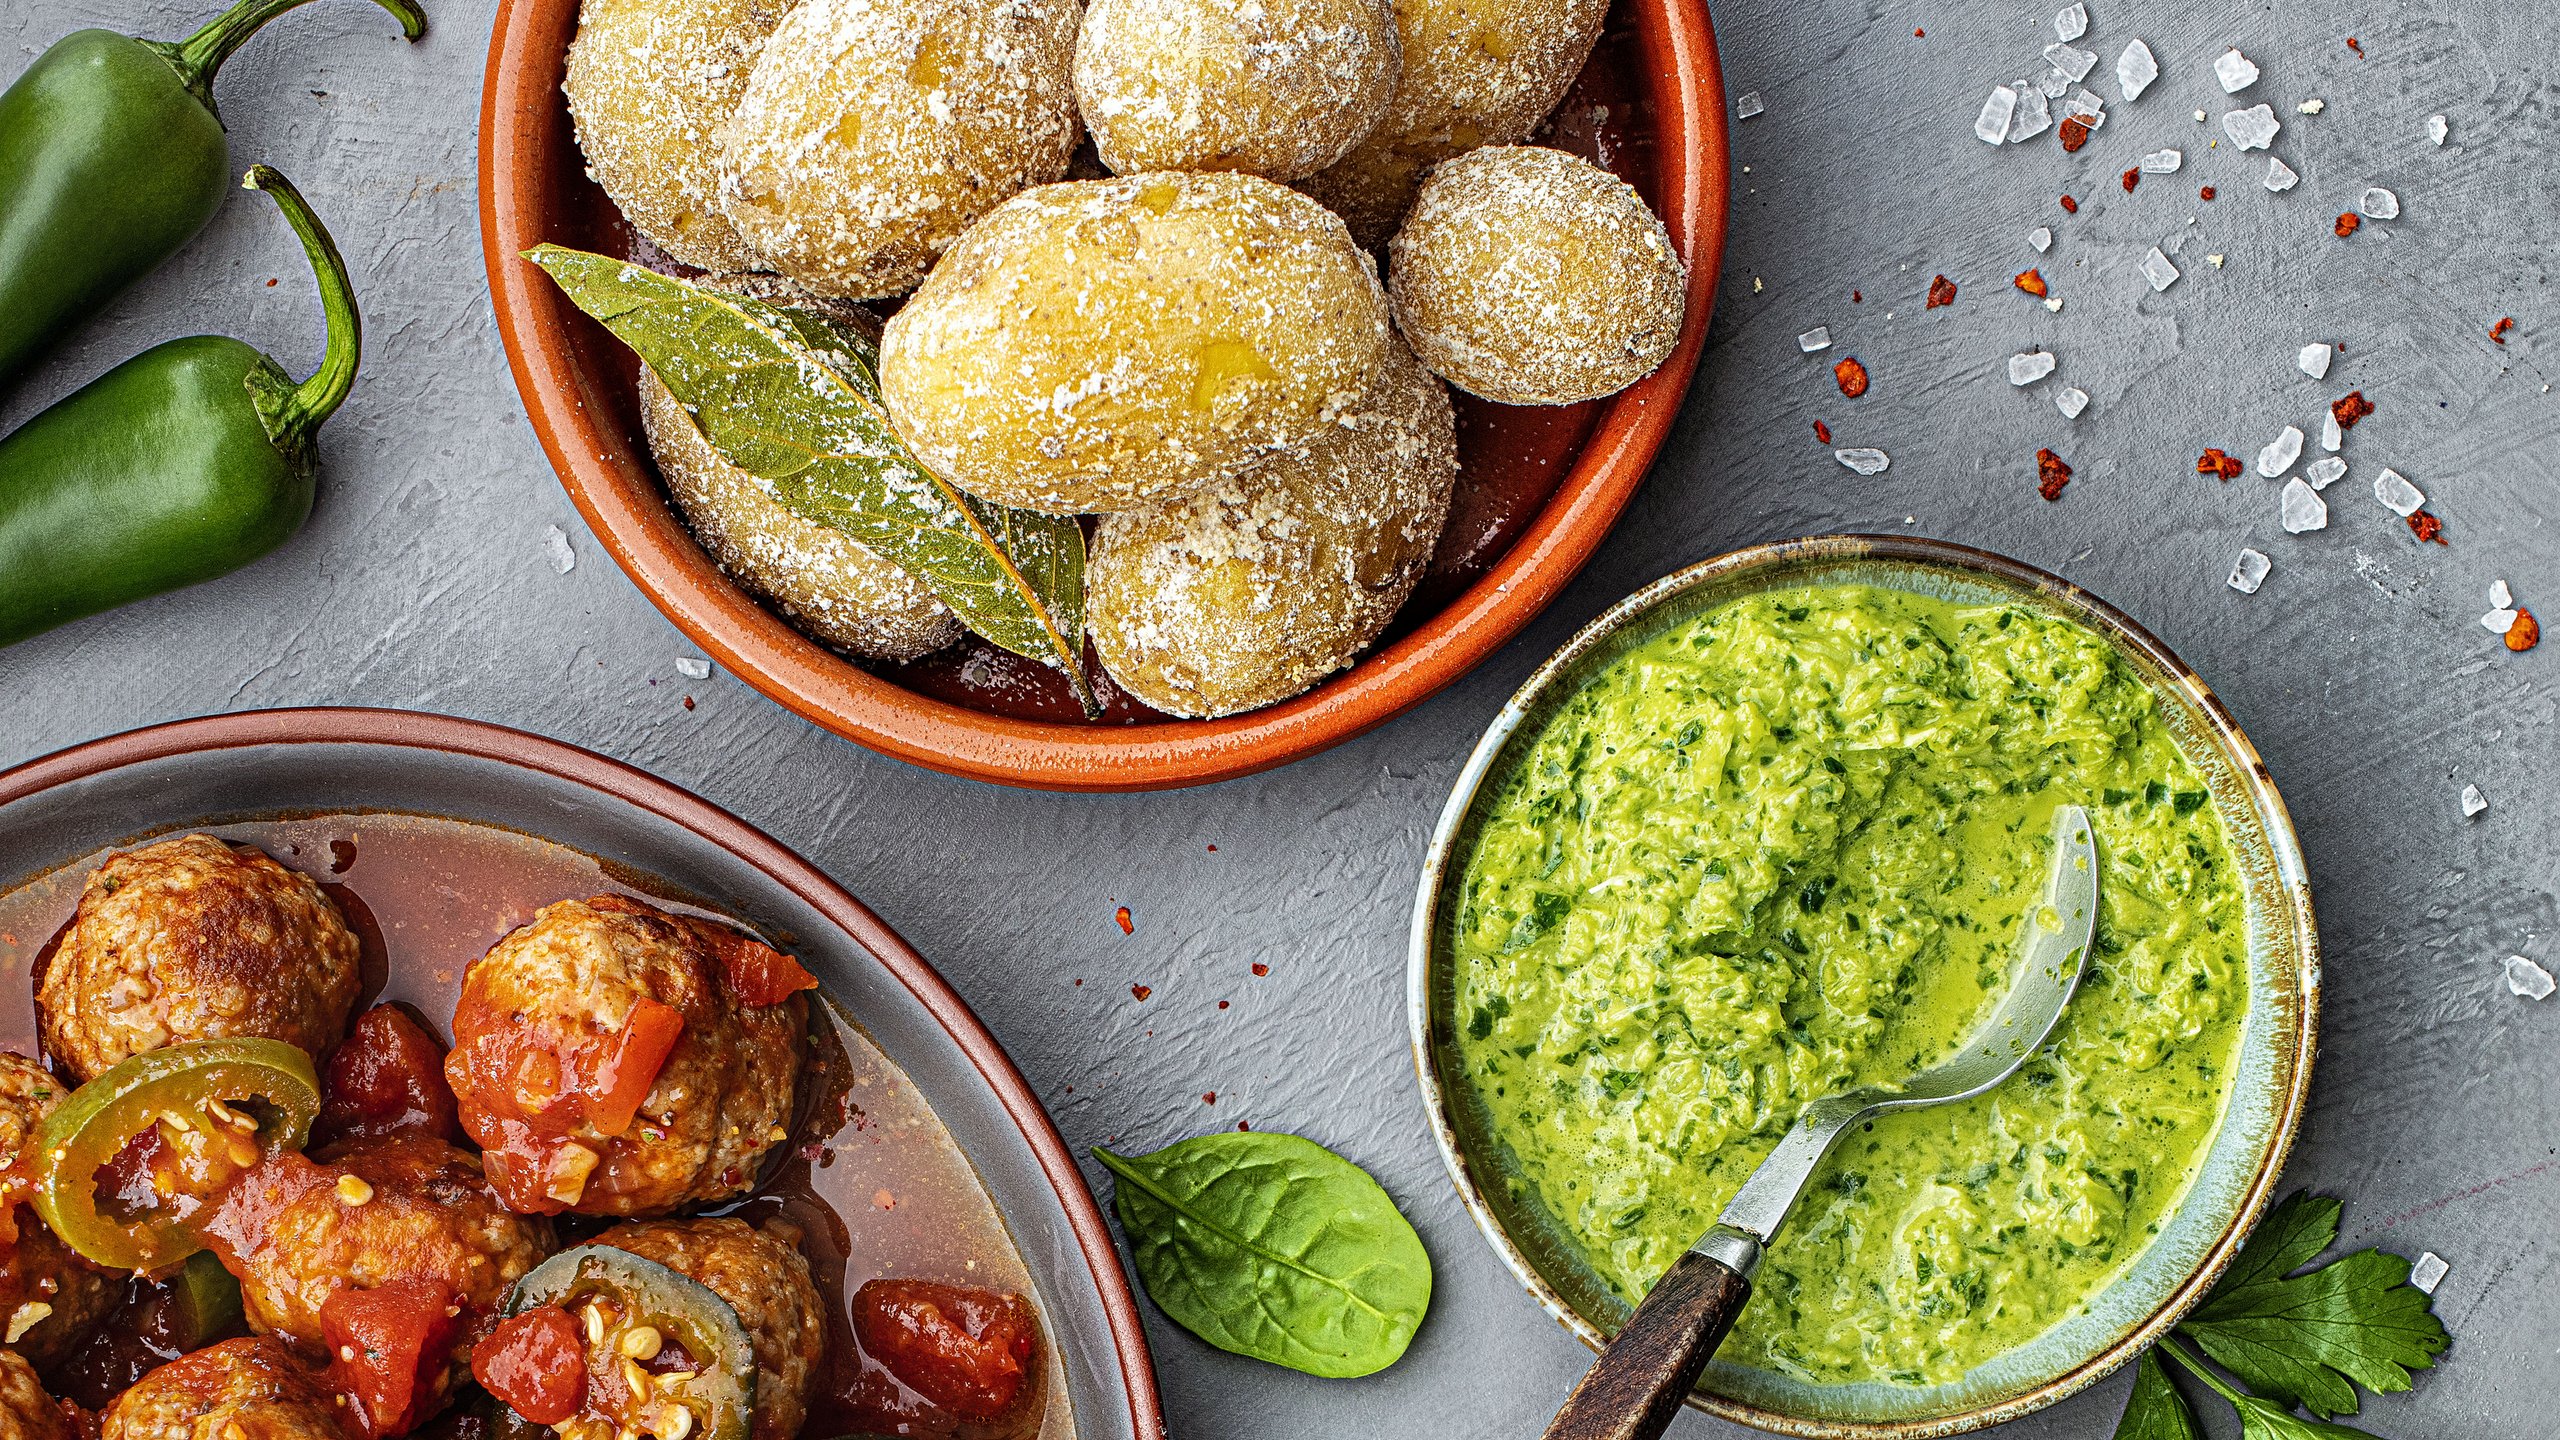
column 650, row 84
column 1278, row 88
column 825, row 582
column 1476, row 72
column 1105, row 344
column 1534, row 277
column 874, row 131
column 1255, row 589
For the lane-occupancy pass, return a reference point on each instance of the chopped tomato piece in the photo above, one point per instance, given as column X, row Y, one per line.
column 757, row 973
column 972, row 1352
column 388, row 1348
column 627, row 1063
column 386, row 1078
column 535, row 1364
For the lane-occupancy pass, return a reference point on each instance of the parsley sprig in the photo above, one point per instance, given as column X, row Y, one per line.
column 2294, row 1341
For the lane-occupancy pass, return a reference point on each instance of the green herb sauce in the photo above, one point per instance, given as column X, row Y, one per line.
column 1784, row 849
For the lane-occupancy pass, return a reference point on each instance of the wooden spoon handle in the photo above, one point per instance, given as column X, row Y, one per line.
column 1639, row 1381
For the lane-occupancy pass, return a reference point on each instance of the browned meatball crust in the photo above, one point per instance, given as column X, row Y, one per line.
column 195, row 939
column 246, row 1389
column 574, row 983
column 26, row 1412
column 373, row 1211
column 764, row 1277
column 49, row 1297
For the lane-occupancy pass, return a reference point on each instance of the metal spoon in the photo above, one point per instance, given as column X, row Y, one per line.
column 1637, row 1384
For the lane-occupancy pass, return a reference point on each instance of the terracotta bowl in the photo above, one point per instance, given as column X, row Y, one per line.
column 271, row 764
column 1541, row 487
column 2240, row 1167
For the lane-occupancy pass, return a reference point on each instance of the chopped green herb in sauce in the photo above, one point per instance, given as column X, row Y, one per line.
column 1784, row 849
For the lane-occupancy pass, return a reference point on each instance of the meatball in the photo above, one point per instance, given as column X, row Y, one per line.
column 246, row 1389
column 650, row 84
column 194, row 939
column 371, row 1212
column 564, row 1022
column 764, row 1277
column 1254, row 590
column 824, row 581
column 1110, row 344
column 1278, row 90
column 874, row 131
column 26, row 1412
column 1476, row 72
column 1534, row 277
column 49, row 1297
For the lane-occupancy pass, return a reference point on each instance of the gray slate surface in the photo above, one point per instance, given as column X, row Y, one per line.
column 2360, row 669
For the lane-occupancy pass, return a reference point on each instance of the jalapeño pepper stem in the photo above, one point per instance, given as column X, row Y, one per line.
column 292, row 417
column 200, row 55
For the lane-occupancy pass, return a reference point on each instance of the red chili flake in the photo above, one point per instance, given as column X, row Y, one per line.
column 2070, row 206
column 1852, row 377
column 1222, row 1004
column 2525, row 633
column 2352, row 45
column 688, row 702
column 1240, row 1125
column 271, row 284
column 1127, row 926
column 1918, row 34
column 2075, row 133
column 2498, row 332
column 2032, row 282
column 2205, row 194
column 1208, row 1097
column 2051, row 475
column 1213, row 849
column 1857, row 299
column 2351, row 409
column 2426, row 527
column 2347, row 223
column 1821, row 432
column 1141, row 992
column 2132, row 178
column 2214, row 462
column 1942, row 291
column 1261, row 969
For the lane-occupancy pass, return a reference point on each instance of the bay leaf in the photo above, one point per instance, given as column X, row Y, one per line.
column 795, row 399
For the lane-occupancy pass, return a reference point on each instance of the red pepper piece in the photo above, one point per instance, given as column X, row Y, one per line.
column 2032, row 282
column 1942, row 291
column 2426, row 527
column 1821, row 432
column 2075, row 133
column 535, row 1364
column 2350, row 408
column 2214, row 462
column 2348, row 220
column 1852, row 377
column 2525, row 633
column 2051, row 475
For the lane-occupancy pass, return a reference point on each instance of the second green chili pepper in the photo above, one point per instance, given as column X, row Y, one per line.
column 187, row 461
column 111, row 158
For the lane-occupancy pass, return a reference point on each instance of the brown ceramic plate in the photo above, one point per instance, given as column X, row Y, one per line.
column 2240, row 1167
column 1540, row 490
column 400, row 787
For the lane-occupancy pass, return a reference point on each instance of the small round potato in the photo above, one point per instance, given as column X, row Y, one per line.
column 874, row 131
column 1476, row 72
column 1256, row 589
column 650, row 84
column 1534, row 277
column 1279, row 90
column 824, row 582
column 1106, row 344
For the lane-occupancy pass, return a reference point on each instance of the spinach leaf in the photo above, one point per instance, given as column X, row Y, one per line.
column 1276, row 1248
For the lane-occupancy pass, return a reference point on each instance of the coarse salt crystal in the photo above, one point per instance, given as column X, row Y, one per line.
column 2250, row 571
column 1863, row 460
column 2332, row 434
column 2254, row 128
column 2473, row 802
column 2199, row 117
column 2500, row 597
column 2030, row 367
column 2088, row 105
column 2498, row 622
column 2053, row 303
column 2314, row 360
column 2072, row 22
column 2163, row 162
column 693, row 669
column 1992, row 126
column 2236, row 71
column 2157, row 269
column 555, row 542
column 2396, row 494
column 2429, row 1272
column 2053, row 84
column 2378, row 204
column 2528, row 979
column 2136, row 68
column 2034, row 117
column 2280, row 453
column 1817, row 338
column 2075, row 63
column 2302, row 509
column 2071, row 400
column 1748, row 104
column 2312, row 106
column 2215, row 260
column 2324, row 472
column 2280, row 176
column 2041, row 237
column 2437, row 129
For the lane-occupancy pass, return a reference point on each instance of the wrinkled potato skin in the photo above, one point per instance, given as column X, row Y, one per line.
column 26, row 1412
column 1533, row 277
column 824, row 582
column 1476, row 72
column 765, row 1278
column 36, row 1268
column 874, row 132
column 1276, row 90
column 246, row 1389
column 1253, row 591
column 650, row 84
column 1105, row 345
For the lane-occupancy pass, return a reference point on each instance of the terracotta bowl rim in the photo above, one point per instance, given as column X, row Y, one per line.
column 672, row 804
column 2294, row 934
column 621, row 502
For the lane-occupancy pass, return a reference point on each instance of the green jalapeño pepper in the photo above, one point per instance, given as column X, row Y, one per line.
column 111, row 158
column 232, row 1102
column 186, row 462
column 623, row 1309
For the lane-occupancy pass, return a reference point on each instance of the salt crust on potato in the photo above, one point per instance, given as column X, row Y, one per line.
column 1279, row 90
